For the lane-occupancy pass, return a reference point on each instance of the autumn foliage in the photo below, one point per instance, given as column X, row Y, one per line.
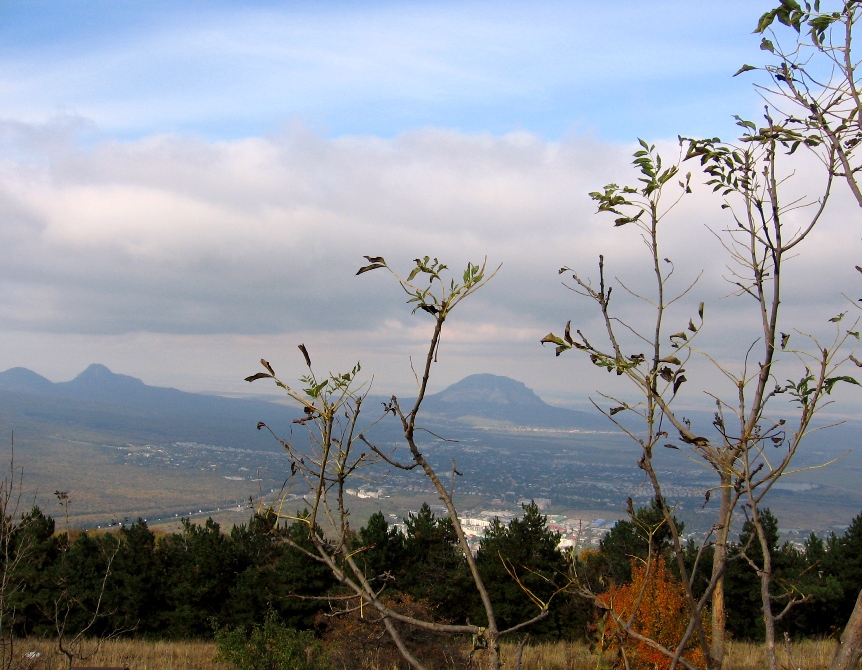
column 662, row 616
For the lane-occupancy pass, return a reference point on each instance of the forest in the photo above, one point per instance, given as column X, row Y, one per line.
column 203, row 582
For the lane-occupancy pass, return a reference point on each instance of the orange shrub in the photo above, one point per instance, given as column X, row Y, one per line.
column 662, row 617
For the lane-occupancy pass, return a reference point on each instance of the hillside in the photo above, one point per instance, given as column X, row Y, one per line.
column 127, row 410
column 125, row 448
column 497, row 401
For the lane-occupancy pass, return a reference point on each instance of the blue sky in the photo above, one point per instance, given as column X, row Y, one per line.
column 230, row 70
column 186, row 187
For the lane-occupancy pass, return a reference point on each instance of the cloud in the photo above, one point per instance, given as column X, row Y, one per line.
column 173, row 235
column 198, row 249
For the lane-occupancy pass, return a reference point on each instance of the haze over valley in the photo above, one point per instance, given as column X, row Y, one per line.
column 124, row 449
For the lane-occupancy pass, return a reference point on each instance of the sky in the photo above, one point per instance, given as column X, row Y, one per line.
column 186, row 187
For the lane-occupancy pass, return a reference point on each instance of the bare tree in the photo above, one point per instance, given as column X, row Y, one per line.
column 77, row 617
column 337, row 447
column 814, row 82
column 16, row 548
column 752, row 448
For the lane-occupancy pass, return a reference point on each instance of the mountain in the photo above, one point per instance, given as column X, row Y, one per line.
column 496, row 400
column 97, row 381
column 123, row 408
column 22, row 379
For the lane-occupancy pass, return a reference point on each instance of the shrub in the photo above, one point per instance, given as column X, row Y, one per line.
column 358, row 640
column 662, row 616
column 271, row 646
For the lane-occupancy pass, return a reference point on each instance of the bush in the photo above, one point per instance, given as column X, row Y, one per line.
column 271, row 646
column 358, row 640
column 661, row 617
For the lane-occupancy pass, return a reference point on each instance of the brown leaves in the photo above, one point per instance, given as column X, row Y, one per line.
column 305, row 354
column 259, row 375
column 375, row 263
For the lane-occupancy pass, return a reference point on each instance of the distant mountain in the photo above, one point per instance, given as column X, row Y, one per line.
column 124, row 408
column 22, row 379
column 486, row 398
column 98, row 381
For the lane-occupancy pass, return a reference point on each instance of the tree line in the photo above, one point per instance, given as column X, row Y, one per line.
column 187, row 584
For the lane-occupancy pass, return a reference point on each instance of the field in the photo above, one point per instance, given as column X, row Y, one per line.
column 140, row 655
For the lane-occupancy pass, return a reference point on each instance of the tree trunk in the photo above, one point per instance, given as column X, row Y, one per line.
column 765, row 574
column 719, row 564
column 850, row 651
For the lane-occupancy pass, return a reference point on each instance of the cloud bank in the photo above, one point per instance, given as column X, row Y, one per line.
column 183, row 261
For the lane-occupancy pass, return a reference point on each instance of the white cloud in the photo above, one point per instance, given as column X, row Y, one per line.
column 184, row 261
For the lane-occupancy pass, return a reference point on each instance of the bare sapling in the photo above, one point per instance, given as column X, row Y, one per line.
column 77, row 614
column 337, row 447
column 16, row 548
column 812, row 81
column 754, row 443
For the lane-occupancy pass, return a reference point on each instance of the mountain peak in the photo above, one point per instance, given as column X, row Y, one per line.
column 99, row 376
column 488, row 388
column 96, row 369
column 22, row 379
column 486, row 399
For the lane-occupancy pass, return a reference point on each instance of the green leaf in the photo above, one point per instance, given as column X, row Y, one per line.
column 767, row 45
column 744, row 68
column 765, row 21
column 831, row 381
column 550, row 338
column 314, row 391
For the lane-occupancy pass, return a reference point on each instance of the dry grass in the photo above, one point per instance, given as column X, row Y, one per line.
column 550, row 656
column 142, row 655
column 806, row 655
column 136, row 654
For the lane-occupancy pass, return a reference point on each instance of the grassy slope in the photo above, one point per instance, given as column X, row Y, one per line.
column 807, row 655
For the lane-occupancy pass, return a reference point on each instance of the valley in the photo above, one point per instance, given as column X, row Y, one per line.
column 162, row 455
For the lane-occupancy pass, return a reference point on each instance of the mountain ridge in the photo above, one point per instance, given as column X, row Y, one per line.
column 474, row 399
